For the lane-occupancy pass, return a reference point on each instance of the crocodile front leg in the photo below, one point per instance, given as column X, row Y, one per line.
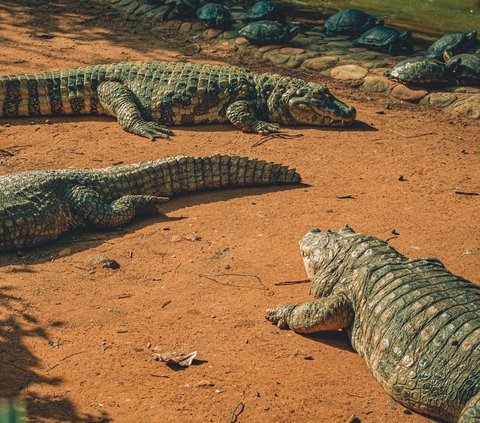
column 471, row 411
column 118, row 101
column 242, row 114
column 89, row 207
column 331, row 313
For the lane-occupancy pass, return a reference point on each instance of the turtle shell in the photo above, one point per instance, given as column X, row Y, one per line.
column 265, row 32
column 465, row 68
column 453, row 42
column 265, row 11
column 385, row 38
column 215, row 15
column 420, row 70
column 350, row 22
column 181, row 8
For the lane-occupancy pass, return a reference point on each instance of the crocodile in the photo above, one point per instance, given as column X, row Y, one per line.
column 146, row 96
column 39, row 206
column 415, row 323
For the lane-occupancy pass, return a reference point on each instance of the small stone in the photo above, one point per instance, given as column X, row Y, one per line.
column 407, row 411
column 376, row 84
column 204, row 384
column 240, row 41
column 320, row 63
column 122, row 330
column 186, row 27
column 269, row 47
column 218, row 391
column 468, row 107
column 176, row 238
column 227, row 267
column 7, row 125
column 65, row 252
column 104, row 262
column 439, row 100
column 401, row 178
column 405, row 93
column 197, row 26
column 213, row 32
column 276, row 58
column 47, row 121
column 349, row 72
column 291, row 51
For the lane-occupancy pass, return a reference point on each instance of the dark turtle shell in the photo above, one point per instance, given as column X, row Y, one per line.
column 265, row 10
column 215, row 15
column 268, row 32
column 384, row 38
column 180, row 8
column 350, row 22
column 453, row 42
column 465, row 69
column 420, row 70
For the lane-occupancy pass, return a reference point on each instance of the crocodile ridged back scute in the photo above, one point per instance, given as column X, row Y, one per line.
column 418, row 327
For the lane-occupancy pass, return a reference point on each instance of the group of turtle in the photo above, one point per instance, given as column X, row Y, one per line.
column 454, row 59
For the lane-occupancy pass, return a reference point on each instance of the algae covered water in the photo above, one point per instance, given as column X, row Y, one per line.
column 432, row 17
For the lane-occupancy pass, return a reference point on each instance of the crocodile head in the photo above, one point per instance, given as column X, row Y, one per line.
column 322, row 257
column 312, row 104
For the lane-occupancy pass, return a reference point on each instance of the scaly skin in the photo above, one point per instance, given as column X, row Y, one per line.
column 144, row 96
column 39, row 206
column 416, row 324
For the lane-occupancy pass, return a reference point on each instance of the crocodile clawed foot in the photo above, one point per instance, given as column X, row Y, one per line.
column 265, row 128
column 277, row 315
column 152, row 131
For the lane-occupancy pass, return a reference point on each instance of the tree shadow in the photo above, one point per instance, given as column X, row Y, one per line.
column 20, row 368
column 85, row 239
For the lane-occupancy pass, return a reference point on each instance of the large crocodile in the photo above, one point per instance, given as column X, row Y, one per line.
column 144, row 96
column 39, row 206
column 416, row 324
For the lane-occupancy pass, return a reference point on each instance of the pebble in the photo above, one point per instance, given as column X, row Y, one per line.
column 104, row 262
column 65, row 252
column 349, row 72
column 405, row 93
column 321, row 63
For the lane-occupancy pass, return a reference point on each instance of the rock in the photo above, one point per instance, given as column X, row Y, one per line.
column 413, row 95
column 197, row 26
column 269, row 47
column 65, row 252
column 467, row 90
column 176, row 238
column 376, row 84
column 213, row 32
column 291, row 51
column 439, row 100
column 230, row 34
column 185, row 27
column 295, row 61
column 104, row 262
column 349, row 73
column 276, row 58
column 240, row 41
column 468, row 106
column 339, row 44
column 320, row 63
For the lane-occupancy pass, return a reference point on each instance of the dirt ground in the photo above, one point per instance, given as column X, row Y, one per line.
column 77, row 342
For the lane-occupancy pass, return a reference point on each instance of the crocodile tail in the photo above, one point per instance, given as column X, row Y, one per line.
column 187, row 174
column 66, row 92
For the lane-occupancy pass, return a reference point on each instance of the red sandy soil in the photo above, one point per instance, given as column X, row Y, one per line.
column 76, row 342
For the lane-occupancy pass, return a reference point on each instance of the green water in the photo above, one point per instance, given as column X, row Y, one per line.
column 424, row 16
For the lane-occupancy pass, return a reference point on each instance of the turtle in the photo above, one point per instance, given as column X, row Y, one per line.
column 180, row 8
column 421, row 70
column 465, row 68
column 269, row 32
column 387, row 39
column 352, row 22
column 265, row 10
column 215, row 15
column 454, row 42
